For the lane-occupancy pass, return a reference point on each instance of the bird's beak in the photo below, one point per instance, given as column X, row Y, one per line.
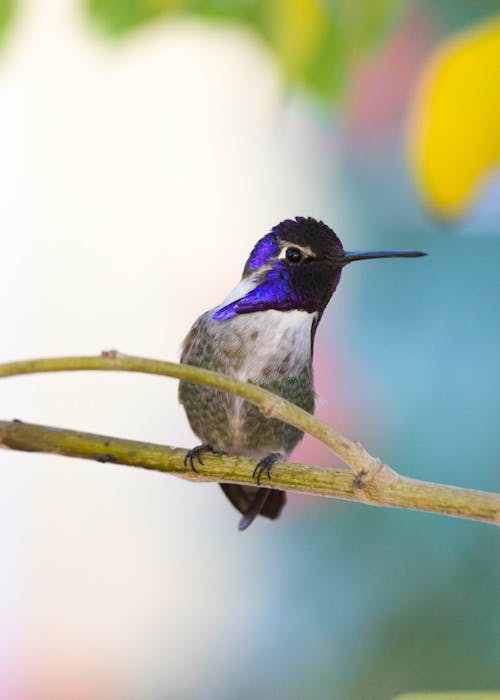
column 351, row 256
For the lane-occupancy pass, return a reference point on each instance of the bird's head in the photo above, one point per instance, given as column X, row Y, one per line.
column 296, row 266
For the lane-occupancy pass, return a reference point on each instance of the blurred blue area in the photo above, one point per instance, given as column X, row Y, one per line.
column 355, row 602
column 426, row 335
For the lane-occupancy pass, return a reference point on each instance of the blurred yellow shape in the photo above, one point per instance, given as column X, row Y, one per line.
column 455, row 125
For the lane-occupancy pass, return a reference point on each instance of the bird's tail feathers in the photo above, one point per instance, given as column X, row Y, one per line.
column 252, row 501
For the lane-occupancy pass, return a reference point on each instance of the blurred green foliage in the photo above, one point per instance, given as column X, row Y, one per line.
column 449, row 696
column 316, row 43
column 6, row 12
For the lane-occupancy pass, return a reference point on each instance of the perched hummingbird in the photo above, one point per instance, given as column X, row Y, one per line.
column 263, row 333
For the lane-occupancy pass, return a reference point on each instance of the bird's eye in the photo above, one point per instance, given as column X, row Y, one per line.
column 293, row 255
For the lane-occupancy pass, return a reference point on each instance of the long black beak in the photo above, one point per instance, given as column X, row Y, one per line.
column 349, row 257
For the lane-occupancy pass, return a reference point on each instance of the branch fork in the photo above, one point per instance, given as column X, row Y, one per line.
column 373, row 482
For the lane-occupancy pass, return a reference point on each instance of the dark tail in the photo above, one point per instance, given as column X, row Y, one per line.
column 252, row 501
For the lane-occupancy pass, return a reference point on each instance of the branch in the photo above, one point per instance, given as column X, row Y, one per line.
column 375, row 483
column 396, row 492
column 271, row 405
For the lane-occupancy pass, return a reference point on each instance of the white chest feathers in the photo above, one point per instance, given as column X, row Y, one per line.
column 266, row 343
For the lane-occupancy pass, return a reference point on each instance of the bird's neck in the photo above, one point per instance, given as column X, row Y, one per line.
column 273, row 288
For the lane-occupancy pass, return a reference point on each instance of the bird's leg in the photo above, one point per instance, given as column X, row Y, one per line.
column 265, row 465
column 195, row 454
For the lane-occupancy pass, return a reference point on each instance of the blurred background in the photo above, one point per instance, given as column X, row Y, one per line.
column 145, row 146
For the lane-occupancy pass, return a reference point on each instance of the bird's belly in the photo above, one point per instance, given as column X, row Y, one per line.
column 272, row 351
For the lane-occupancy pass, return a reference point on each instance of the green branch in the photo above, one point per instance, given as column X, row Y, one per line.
column 374, row 484
column 398, row 492
column 270, row 404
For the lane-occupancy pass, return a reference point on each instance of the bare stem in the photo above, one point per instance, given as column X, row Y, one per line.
column 395, row 492
column 374, row 482
column 352, row 453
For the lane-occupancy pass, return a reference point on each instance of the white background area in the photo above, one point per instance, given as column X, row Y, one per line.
column 135, row 177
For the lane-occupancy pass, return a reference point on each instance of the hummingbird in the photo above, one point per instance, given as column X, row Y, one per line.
column 263, row 333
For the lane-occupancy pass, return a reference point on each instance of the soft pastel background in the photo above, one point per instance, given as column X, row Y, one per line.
column 145, row 145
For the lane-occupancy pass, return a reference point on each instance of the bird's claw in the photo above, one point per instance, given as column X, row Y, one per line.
column 265, row 465
column 195, row 454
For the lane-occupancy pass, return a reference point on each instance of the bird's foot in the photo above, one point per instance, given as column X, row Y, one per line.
column 265, row 465
column 195, row 454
